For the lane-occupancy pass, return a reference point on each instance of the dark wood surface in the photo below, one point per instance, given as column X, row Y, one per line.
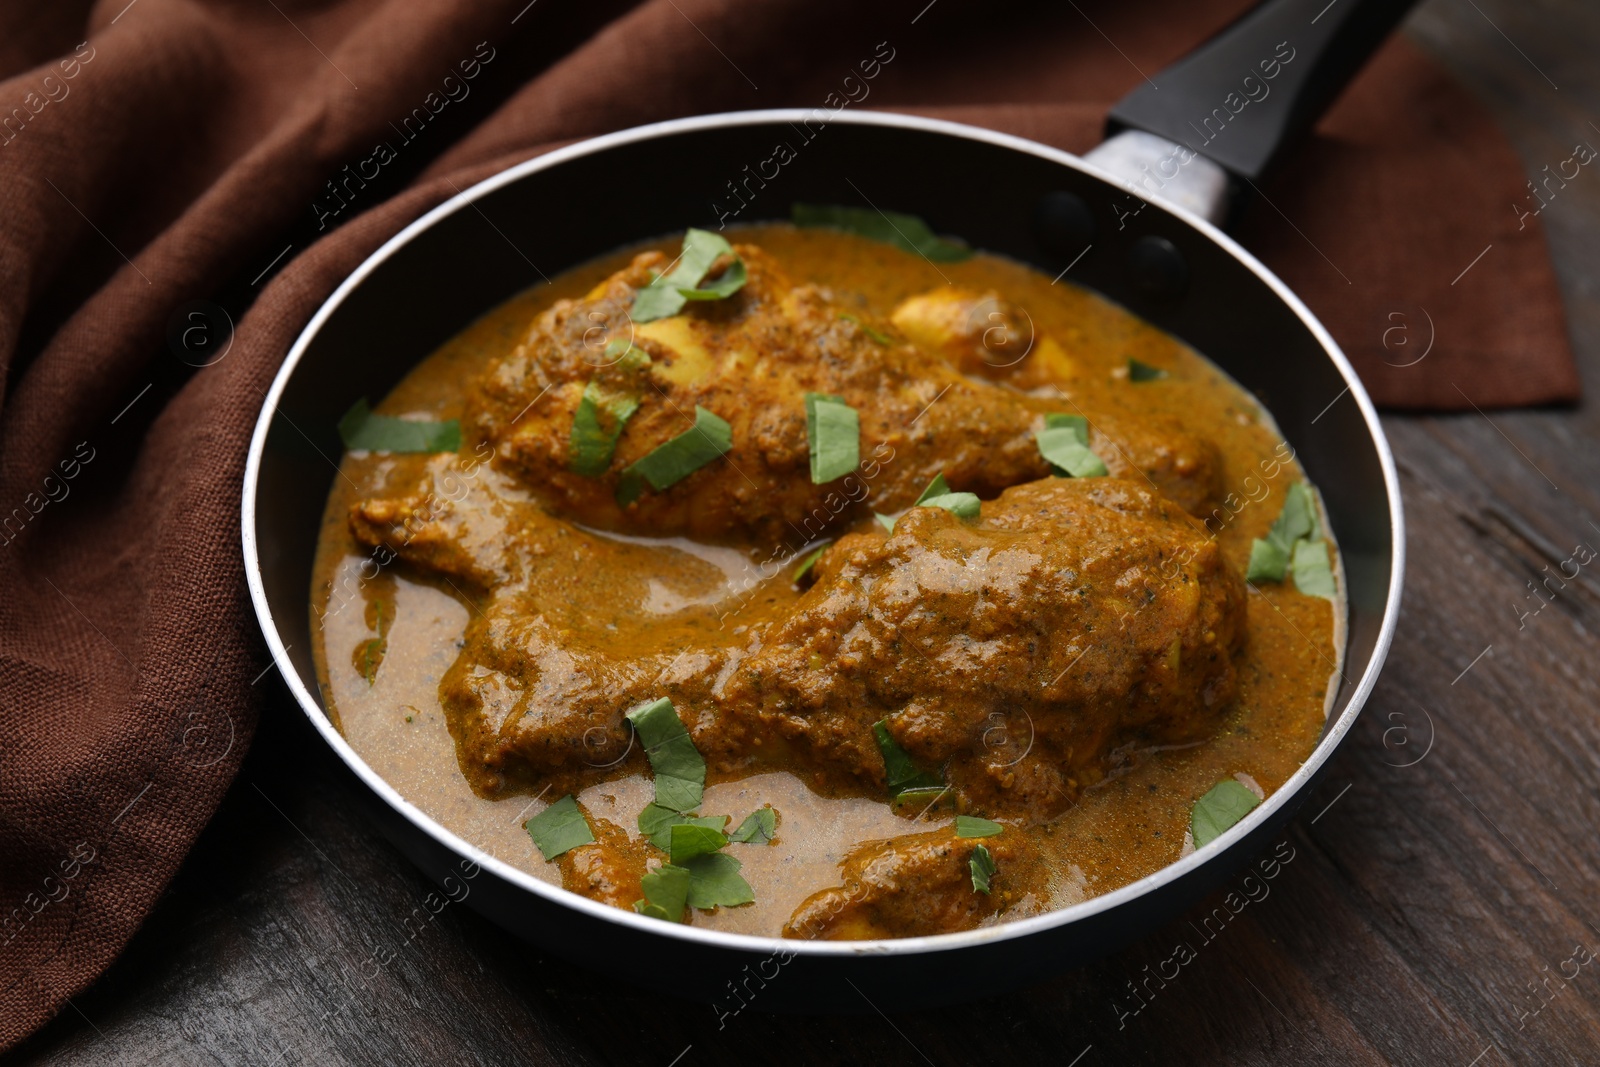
column 1443, row 876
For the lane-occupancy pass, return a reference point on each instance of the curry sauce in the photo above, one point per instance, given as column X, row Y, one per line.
column 1077, row 659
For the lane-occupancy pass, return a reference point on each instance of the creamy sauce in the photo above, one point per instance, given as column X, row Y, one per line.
column 1130, row 825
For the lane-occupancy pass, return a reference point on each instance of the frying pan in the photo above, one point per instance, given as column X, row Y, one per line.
column 1148, row 243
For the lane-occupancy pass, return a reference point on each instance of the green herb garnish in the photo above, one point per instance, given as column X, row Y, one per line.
column 1269, row 561
column 972, row 826
column 667, row 293
column 655, row 820
column 982, row 867
column 656, row 823
column 1313, row 575
column 559, row 828
column 592, row 444
column 885, row 521
column 1227, row 802
column 1289, row 543
column 809, row 562
column 1143, row 372
column 833, row 435
column 680, row 770
column 715, row 882
column 938, row 495
column 758, row 828
column 899, row 772
column 700, row 874
column 361, row 430
column 666, row 893
column 961, row 505
column 626, row 356
column 937, row 487
column 922, row 800
column 706, row 881
column 669, row 463
column 690, row 840
column 904, row 231
column 877, row 335
column 730, row 282
column 1064, row 443
column 1299, row 516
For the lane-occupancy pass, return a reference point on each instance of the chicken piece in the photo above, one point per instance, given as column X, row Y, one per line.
column 920, row 884
column 976, row 333
column 983, row 334
column 430, row 529
column 1157, row 450
column 547, row 668
column 749, row 359
column 1016, row 652
column 1080, row 615
column 608, row 870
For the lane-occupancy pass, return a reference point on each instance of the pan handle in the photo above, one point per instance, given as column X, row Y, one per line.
column 1246, row 96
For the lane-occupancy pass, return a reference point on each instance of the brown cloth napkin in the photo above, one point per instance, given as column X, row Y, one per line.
column 159, row 153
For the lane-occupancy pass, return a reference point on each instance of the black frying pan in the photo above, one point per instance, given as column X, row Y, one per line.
column 1165, row 262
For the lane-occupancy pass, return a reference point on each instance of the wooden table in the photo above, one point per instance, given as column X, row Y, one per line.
column 1444, row 874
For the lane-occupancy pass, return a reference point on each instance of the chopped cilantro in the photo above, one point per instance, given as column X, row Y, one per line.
column 559, row 828
column 363, row 431
column 700, row 874
column 972, row 826
column 899, row 772
column 715, row 882
column 656, row 823
column 906, row 232
column 690, row 840
column 809, row 562
column 982, row 867
column 961, row 505
column 1294, row 541
column 877, row 335
column 1269, row 561
column 1298, row 519
column 938, row 495
column 1143, row 372
column 1313, row 575
column 666, row 893
column 667, row 293
column 679, row 768
column 1064, row 443
column 1225, row 804
column 758, row 828
column 922, row 800
column 833, row 436
column 672, row 461
column 592, row 445
column 937, row 487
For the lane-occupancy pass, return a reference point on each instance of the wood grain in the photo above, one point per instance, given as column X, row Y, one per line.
column 1424, row 905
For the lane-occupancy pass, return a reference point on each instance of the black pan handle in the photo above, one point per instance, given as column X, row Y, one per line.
column 1248, row 94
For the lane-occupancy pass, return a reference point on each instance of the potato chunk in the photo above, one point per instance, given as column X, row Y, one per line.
column 977, row 333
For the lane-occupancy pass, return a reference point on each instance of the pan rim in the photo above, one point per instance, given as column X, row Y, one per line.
column 1333, row 735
